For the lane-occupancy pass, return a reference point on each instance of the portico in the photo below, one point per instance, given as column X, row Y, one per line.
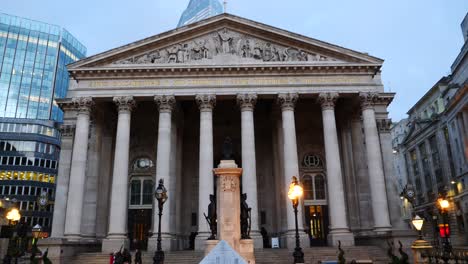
column 161, row 108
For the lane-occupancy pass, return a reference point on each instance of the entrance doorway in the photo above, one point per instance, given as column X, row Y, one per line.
column 140, row 213
column 139, row 226
column 317, row 222
column 315, row 204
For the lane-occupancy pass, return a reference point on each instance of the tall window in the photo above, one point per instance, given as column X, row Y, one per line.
column 436, row 159
column 426, row 170
column 449, row 152
column 314, row 187
column 141, row 192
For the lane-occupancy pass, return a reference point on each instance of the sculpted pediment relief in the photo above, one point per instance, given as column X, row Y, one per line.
column 225, row 47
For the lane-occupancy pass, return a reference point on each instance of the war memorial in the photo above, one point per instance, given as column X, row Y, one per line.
column 172, row 105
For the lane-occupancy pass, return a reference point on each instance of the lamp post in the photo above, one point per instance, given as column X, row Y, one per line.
column 161, row 195
column 420, row 246
column 418, row 223
column 444, row 205
column 295, row 192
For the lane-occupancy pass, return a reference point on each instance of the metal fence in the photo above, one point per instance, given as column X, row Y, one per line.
column 439, row 255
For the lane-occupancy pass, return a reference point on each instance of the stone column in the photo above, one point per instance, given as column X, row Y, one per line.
column 117, row 234
column 339, row 230
column 249, row 175
column 78, row 169
column 63, row 180
column 166, row 104
column 374, row 164
column 393, row 193
column 206, row 103
column 287, row 102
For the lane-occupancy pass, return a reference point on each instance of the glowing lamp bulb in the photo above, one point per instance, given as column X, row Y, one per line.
column 418, row 222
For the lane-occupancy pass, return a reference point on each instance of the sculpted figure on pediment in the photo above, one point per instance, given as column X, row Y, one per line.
column 199, row 50
column 224, row 42
column 245, row 50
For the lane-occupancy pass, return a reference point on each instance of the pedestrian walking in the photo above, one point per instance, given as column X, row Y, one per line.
column 138, row 257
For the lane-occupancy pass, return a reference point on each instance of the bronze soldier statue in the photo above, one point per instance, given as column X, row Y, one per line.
column 212, row 218
column 245, row 217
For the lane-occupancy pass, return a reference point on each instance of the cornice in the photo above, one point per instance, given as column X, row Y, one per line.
column 226, row 70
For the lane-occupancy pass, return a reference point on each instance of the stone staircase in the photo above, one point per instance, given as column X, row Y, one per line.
column 316, row 254
column 263, row 256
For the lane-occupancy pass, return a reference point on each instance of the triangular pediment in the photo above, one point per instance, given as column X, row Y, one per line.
column 225, row 40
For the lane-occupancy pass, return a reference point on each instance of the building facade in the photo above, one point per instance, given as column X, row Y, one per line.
column 435, row 151
column 33, row 59
column 198, row 10
column 161, row 108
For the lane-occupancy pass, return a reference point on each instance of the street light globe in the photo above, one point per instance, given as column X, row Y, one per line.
column 161, row 193
column 295, row 189
column 418, row 222
column 13, row 215
column 444, row 204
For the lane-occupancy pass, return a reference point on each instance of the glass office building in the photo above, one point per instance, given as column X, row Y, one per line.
column 198, row 10
column 33, row 59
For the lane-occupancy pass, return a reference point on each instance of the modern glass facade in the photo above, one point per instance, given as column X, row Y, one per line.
column 198, row 10
column 33, row 59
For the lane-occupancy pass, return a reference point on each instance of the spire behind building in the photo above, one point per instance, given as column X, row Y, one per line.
column 198, row 10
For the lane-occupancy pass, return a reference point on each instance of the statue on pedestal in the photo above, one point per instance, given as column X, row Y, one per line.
column 245, row 216
column 211, row 218
column 227, row 149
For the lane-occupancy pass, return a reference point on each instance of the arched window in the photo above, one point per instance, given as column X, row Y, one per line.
column 308, row 187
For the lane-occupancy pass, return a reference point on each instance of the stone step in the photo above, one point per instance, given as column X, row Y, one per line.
column 262, row 256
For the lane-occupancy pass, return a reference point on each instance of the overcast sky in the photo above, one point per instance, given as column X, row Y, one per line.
column 418, row 39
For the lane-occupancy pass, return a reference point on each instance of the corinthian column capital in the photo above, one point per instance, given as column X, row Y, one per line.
column 206, row 102
column 125, row 103
column 247, row 101
column 287, row 101
column 83, row 104
column 328, row 100
column 368, row 100
column 165, row 103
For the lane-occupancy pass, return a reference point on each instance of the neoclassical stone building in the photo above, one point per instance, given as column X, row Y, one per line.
column 161, row 108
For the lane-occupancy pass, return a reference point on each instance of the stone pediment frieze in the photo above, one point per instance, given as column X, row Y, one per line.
column 225, row 47
column 225, row 40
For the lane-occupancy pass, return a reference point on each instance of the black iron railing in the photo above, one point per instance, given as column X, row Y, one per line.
column 439, row 255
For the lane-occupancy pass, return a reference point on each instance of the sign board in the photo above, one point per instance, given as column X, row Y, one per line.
column 275, row 242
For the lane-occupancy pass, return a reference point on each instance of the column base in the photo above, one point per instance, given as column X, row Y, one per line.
column 200, row 240
column 166, row 242
column 288, row 239
column 346, row 238
column 73, row 237
column 257, row 239
column 382, row 229
column 112, row 244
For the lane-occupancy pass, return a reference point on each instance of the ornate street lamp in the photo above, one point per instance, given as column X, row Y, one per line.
column 13, row 216
column 295, row 193
column 444, row 229
column 161, row 195
column 418, row 223
column 420, row 246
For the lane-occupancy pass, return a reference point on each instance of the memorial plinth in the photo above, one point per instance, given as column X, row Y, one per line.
column 228, row 209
